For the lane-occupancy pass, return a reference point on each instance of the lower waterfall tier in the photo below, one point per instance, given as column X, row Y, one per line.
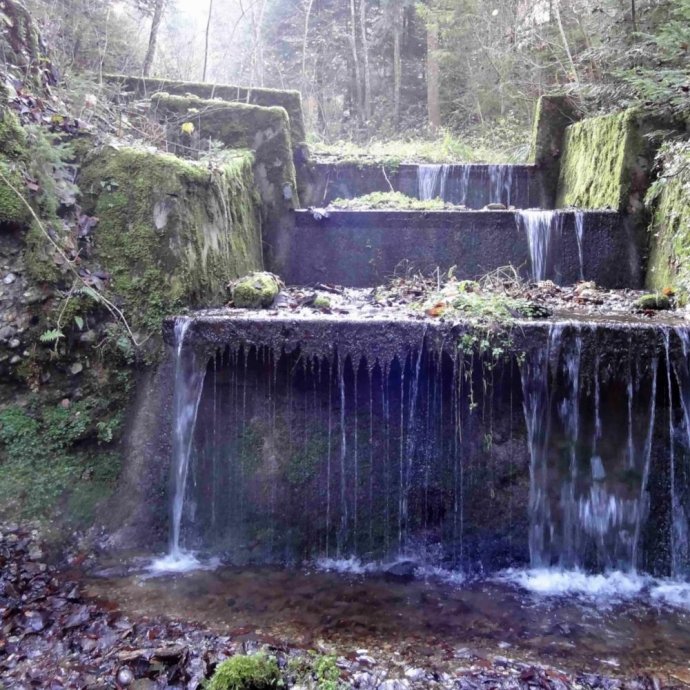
column 566, row 445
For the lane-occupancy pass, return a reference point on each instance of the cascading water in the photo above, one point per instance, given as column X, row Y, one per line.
column 501, row 179
column 494, row 184
column 543, row 229
column 189, row 380
column 432, row 180
column 584, row 511
column 580, row 236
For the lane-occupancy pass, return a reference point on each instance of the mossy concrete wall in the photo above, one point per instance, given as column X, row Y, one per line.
column 604, row 164
column 171, row 233
column 669, row 203
column 291, row 101
column 236, row 125
column 554, row 113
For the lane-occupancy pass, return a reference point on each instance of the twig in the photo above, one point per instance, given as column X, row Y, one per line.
column 383, row 170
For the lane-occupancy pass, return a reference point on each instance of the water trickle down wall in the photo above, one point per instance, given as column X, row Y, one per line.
column 424, row 452
column 568, row 448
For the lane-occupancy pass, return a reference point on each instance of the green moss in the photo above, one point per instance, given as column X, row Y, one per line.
column 14, row 155
column 255, row 291
column 322, row 302
column 600, row 155
column 655, row 302
column 52, row 456
column 391, row 200
column 669, row 200
column 291, row 101
column 316, row 670
column 265, row 130
column 171, row 233
column 255, row 672
column 304, row 462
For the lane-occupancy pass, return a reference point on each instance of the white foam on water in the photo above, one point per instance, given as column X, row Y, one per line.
column 431, row 572
column 180, row 563
column 349, row 566
column 672, row 593
column 600, row 588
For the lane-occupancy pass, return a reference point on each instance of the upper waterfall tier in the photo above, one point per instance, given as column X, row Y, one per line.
column 470, row 185
column 365, row 248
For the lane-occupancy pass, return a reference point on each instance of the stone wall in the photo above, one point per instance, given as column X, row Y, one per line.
column 605, row 163
column 669, row 203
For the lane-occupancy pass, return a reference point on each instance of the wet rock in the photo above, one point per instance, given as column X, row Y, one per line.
column 402, row 571
column 394, row 684
column 88, row 338
column 256, row 291
column 9, row 279
column 14, row 343
column 495, row 207
column 415, row 674
column 125, row 676
column 76, row 368
column 6, row 332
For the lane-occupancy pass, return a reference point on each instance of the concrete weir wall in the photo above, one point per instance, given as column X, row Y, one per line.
column 364, row 248
column 466, row 184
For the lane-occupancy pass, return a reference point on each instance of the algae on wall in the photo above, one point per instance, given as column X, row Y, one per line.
column 603, row 162
column 14, row 155
column 669, row 202
column 172, row 233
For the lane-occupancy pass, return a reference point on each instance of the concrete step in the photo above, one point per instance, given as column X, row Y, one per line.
column 472, row 185
column 365, row 248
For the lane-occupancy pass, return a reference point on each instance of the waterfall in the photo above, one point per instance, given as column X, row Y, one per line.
column 583, row 511
column 679, row 470
column 190, row 371
column 543, row 229
column 501, row 184
column 580, row 236
column 432, row 180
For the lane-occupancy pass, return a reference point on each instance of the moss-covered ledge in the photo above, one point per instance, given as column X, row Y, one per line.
column 605, row 163
column 145, row 87
column 171, row 233
column 266, row 131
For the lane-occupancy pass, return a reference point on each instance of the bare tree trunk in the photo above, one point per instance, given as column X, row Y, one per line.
column 397, row 61
column 153, row 37
column 208, row 30
column 566, row 46
column 307, row 17
column 365, row 59
column 433, row 97
column 633, row 14
column 355, row 57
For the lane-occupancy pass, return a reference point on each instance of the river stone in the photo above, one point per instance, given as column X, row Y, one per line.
column 402, row 571
column 255, row 291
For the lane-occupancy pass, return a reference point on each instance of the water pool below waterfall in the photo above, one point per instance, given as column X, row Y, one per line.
column 612, row 624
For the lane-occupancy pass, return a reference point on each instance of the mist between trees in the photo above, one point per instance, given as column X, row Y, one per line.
column 392, row 69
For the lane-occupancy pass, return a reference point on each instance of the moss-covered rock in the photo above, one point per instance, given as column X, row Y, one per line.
column 322, row 302
column 255, row 291
column 669, row 202
column 652, row 302
column 601, row 160
column 171, row 233
column 255, row 672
